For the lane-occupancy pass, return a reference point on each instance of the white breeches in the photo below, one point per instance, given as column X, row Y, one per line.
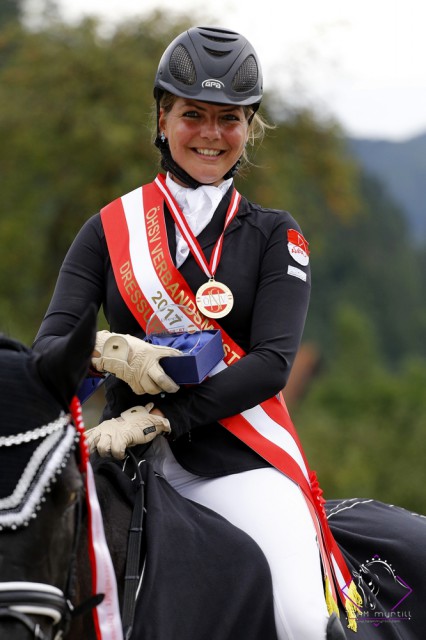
column 272, row 510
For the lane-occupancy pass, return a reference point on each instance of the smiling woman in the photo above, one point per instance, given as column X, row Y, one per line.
column 226, row 442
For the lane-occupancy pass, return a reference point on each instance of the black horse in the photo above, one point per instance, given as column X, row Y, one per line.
column 201, row 577
column 41, row 491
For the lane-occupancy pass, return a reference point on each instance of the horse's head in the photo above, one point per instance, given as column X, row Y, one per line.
column 40, row 481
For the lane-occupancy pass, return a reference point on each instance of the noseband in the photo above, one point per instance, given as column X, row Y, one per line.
column 20, row 600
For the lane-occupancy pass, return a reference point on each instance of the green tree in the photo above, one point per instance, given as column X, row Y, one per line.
column 75, row 124
column 369, row 261
column 363, row 426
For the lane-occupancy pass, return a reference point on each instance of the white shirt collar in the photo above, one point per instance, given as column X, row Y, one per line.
column 198, row 206
column 183, row 194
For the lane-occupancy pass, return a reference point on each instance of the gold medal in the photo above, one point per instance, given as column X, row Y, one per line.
column 214, row 299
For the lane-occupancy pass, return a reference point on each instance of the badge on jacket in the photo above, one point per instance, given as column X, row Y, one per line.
column 298, row 247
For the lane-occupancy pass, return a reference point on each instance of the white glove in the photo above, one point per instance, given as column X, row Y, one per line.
column 134, row 426
column 134, row 361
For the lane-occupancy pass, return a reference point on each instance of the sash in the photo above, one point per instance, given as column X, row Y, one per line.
column 106, row 615
column 149, row 283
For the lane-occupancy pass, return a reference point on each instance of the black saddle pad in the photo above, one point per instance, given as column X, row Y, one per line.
column 203, row 579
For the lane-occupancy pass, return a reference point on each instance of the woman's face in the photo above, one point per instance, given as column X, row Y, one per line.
column 205, row 139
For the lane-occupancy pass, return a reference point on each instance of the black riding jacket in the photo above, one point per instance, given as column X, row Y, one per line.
column 271, row 296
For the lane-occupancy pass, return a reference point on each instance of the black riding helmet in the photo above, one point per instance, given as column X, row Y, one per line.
column 209, row 64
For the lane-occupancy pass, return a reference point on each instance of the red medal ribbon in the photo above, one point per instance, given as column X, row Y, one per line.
column 186, row 231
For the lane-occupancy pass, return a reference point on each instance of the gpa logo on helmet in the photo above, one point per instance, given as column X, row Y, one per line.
column 213, row 84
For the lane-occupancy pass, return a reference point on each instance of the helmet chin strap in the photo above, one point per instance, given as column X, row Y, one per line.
column 168, row 164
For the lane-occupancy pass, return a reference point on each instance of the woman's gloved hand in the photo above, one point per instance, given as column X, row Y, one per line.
column 135, row 426
column 134, row 361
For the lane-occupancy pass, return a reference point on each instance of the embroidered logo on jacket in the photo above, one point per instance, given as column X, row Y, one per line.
column 298, row 247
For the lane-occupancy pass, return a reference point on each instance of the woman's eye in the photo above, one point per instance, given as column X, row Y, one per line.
column 191, row 114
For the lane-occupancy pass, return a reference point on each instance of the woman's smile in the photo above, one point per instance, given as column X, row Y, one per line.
column 213, row 153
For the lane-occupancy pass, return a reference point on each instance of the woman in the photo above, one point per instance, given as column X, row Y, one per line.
column 229, row 442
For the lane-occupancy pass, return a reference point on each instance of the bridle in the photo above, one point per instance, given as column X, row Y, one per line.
column 24, row 602
column 20, row 601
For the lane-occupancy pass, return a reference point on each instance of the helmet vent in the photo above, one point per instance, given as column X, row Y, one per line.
column 216, row 53
column 218, row 35
column 216, row 39
column 246, row 76
column 181, row 66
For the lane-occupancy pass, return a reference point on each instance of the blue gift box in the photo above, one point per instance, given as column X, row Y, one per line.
column 202, row 351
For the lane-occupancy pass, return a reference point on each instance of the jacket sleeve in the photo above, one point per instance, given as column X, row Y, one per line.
column 277, row 323
column 80, row 282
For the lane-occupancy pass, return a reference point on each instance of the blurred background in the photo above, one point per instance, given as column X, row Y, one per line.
column 346, row 89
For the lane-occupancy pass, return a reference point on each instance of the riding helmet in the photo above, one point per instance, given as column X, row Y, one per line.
column 213, row 65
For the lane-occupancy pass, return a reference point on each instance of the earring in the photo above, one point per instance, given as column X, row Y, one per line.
column 162, row 137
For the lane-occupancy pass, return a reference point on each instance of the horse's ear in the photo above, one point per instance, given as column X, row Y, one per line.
column 64, row 365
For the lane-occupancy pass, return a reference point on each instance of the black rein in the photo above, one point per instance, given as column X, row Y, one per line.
column 134, row 544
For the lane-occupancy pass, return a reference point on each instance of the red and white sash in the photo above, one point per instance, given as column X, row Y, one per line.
column 106, row 615
column 150, row 284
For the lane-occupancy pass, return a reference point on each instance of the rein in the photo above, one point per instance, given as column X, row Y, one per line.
column 134, row 544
